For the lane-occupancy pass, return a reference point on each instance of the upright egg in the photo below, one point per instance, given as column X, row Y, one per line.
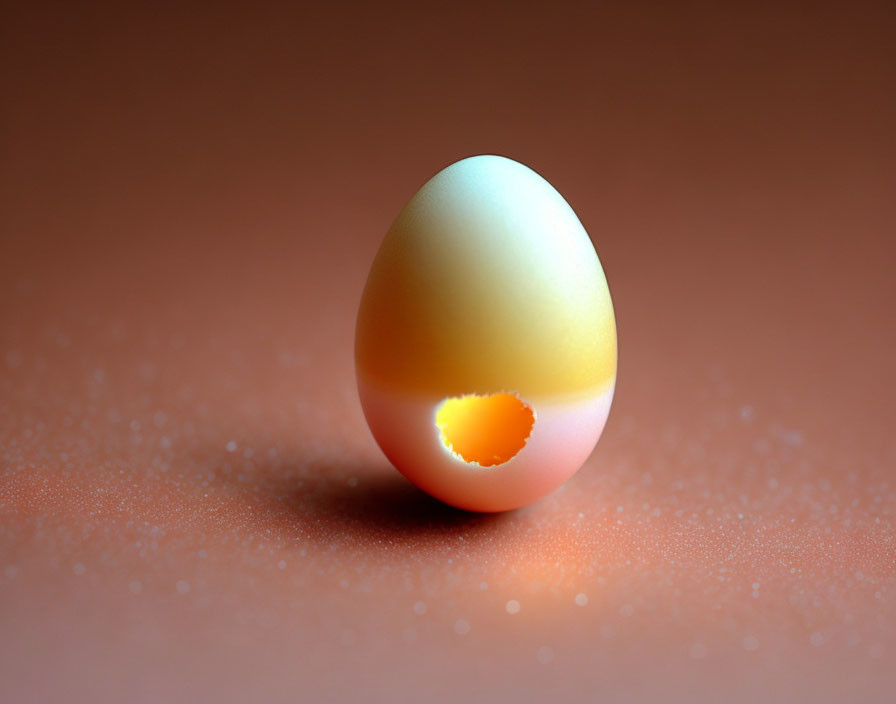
column 485, row 346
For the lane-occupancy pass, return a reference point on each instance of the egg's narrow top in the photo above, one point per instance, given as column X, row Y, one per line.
column 487, row 281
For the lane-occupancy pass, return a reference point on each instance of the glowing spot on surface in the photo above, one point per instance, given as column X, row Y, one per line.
column 461, row 627
column 512, row 607
column 419, row 608
column 581, row 599
column 750, row 643
column 486, row 430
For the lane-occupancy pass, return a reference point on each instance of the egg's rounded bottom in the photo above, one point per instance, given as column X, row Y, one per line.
column 564, row 434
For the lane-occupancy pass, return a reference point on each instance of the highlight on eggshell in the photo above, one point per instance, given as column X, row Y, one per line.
column 485, row 346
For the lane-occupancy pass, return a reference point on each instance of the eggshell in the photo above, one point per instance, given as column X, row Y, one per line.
column 486, row 283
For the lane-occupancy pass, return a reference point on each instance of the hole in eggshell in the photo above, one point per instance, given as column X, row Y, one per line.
column 486, row 430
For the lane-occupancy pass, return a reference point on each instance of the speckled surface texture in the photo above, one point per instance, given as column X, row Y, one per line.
column 191, row 506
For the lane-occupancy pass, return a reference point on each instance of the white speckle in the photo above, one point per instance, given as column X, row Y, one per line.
column 755, row 586
column 136, row 586
column 135, row 425
column 772, row 483
column 11, row 571
column 159, row 419
column 352, row 482
column 230, row 446
column 183, row 586
column 746, row 413
column 794, row 438
column 619, row 509
column 512, row 606
column 581, row 599
column 626, row 610
column 698, row 651
column 79, row 568
column 817, row 638
column 740, row 515
column 419, row 608
column 750, row 643
column 545, row 654
column 282, row 564
column 203, row 554
column 461, row 627
column 483, row 586
column 762, row 446
column 756, row 594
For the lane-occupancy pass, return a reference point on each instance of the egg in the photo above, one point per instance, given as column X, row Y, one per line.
column 485, row 346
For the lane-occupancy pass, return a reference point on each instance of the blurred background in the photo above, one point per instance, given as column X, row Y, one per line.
column 191, row 506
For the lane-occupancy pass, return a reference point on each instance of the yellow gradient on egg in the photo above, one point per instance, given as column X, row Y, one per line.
column 487, row 281
column 487, row 430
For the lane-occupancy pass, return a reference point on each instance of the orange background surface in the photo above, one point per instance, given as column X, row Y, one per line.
column 191, row 506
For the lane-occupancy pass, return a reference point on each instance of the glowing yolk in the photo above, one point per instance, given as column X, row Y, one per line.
column 487, row 430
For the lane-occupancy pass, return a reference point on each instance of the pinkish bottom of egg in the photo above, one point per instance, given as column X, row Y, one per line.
column 561, row 439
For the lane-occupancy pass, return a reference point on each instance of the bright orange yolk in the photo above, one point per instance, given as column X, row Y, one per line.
column 488, row 430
